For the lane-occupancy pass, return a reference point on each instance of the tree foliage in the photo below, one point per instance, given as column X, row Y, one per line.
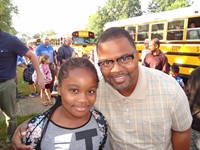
column 7, row 9
column 158, row 5
column 113, row 10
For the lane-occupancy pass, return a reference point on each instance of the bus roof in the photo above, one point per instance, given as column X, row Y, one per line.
column 186, row 12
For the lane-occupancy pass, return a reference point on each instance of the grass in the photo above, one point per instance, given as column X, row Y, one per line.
column 20, row 119
column 23, row 86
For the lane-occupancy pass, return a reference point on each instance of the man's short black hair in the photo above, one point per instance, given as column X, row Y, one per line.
column 114, row 33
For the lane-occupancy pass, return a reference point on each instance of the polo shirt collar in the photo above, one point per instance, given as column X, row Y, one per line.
column 139, row 92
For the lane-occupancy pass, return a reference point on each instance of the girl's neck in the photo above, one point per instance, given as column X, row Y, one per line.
column 64, row 119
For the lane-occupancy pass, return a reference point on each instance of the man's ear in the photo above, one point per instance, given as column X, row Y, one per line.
column 157, row 46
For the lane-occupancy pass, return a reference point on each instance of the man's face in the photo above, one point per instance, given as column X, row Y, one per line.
column 122, row 78
column 68, row 41
column 153, row 46
column 146, row 45
column 46, row 40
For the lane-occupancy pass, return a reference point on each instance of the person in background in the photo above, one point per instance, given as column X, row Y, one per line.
column 156, row 58
column 146, row 50
column 44, row 68
column 65, row 50
column 192, row 90
column 91, row 56
column 174, row 72
column 193, row 33
column 11, row 47
column 72, row 121
column 45, row 48
column 85, row 56
column 141, row 105
column 33, row 87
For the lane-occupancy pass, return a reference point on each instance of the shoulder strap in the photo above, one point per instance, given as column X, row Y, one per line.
column 103, row 127
column 34, row 130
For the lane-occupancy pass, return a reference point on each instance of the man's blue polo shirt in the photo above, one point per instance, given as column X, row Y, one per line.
column 45, row 50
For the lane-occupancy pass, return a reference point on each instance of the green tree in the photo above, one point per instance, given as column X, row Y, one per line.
column 158, row 5
column 113, row 10
column 49, row 33
column 25, row 36
column 7, row 9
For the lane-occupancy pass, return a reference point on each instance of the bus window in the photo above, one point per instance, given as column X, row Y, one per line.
column 157, row 31
column 175, row 30
column 143, row 31
column 132, row 31
column 193, row 30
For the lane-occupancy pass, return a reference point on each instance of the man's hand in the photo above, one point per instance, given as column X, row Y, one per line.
column 20, row 132
column 40, row 80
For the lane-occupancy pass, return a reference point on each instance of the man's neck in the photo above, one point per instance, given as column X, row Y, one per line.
column 156, row 52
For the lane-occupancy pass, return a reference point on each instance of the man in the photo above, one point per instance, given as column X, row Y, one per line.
column 142, row 111
column 65, row 50
column 156, row 58
column 146, row 49
column 10, row 48
column 46, row 49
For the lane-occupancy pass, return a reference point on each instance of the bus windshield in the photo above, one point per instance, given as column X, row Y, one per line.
column 80, row 40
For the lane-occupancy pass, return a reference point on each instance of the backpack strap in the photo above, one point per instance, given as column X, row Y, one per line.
column 34, row 130
column 103, row 127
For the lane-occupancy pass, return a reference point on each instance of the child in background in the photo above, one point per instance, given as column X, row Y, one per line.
column 44, row 68
column 174, row 72
column 71, row 123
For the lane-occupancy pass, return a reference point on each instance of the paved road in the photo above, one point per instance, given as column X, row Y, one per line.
column 29, row 106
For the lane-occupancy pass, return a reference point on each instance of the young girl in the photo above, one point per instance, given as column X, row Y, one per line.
column 71, row 124
column 44, row 68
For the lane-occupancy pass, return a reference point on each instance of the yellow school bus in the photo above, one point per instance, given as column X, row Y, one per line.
column 179, row 40
column 83, row 42
column 34, row 42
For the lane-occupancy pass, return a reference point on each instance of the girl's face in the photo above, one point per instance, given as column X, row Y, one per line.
column 78, row 92
column 47, row 61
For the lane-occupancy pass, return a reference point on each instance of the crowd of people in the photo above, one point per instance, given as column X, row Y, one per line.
column 132, row 106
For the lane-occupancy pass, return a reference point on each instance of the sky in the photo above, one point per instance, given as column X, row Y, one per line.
column 62, row 16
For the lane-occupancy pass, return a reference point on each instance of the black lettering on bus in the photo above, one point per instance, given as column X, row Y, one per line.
column 176, row 48
column 198, row 49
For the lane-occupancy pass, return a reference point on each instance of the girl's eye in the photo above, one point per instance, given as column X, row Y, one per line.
column 91, row 92
column 73, row 90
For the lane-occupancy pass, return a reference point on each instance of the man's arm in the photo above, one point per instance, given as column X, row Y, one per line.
column 60, row 55
column 181, row 140
column 34, row 60
column 20, row 132
column 165, row 68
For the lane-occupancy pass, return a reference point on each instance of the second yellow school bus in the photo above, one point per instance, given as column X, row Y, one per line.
column 83, row 41
column 179, row 41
